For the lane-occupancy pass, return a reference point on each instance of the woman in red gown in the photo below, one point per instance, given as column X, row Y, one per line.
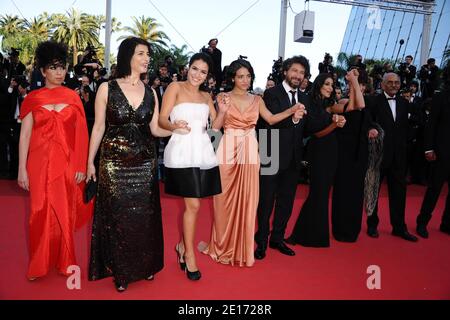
column 52, row 164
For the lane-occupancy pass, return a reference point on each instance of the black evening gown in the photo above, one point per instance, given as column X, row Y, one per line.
column 127, row 235
column 348, row 190
column 312, row 227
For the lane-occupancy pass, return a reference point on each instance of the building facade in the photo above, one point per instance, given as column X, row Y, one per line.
column 376, row 34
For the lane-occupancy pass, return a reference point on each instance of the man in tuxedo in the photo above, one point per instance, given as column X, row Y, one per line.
column 279, row 189
column 437, row 151
column 391, row 113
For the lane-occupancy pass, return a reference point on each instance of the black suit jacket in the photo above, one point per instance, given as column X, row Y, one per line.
column 437, row 130
column 291, row 135
column 395, row 132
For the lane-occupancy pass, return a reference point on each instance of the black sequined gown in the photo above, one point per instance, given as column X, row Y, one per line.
column 127, row 237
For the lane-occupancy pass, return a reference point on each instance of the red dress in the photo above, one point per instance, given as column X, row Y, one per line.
column 58, row 149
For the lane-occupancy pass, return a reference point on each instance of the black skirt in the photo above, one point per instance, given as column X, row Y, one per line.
column 192, row 182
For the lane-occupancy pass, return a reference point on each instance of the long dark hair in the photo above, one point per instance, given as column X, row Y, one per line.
column 234, row 67
column 126, row 52
column 315, row 91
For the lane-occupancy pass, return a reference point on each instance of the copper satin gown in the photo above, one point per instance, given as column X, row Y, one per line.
column 232, row 236
column 58, row 149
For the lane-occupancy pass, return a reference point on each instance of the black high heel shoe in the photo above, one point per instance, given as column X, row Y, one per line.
column 194, row 275
column 150, row 278
column 179, row 258
column 121, row 287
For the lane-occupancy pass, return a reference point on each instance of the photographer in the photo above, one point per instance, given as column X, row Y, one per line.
column 216, row 56
column 428, row 76
column 87, row 95
column 407, row 72
column 14, row 67
column 165, row 77
column 358, row 63
column 89, row 63
column 277, row 73
column 326, row 66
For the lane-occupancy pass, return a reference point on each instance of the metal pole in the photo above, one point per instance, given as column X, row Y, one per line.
column 425, row 47
column 282, row 36
column 108, row 34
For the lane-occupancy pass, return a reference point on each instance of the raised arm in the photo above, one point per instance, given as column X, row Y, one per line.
column 357, row 96
column 217, row 118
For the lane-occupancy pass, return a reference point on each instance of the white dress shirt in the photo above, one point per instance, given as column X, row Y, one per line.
column 392, row 105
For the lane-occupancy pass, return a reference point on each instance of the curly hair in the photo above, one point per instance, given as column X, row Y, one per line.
column 287, row 64
column 234, row 67
column 50, row 52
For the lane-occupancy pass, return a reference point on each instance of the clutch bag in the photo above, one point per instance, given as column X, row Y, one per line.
column 90, row 190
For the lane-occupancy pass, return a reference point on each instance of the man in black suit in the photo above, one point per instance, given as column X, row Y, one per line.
column 391, row 113
column 279, row 188
column 437, row 151
column 216, row 56
column 407, row 71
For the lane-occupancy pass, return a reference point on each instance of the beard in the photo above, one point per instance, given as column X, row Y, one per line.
column 292, row 85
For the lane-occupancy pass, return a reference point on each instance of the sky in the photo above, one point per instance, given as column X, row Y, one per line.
column 254, row 34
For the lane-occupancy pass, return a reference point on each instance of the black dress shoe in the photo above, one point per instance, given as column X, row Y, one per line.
column 372, row 232
column 405, row 235
column 260, row 252
column 445, row 229
column 290, row 241
column 284, row 249
column 422, row 231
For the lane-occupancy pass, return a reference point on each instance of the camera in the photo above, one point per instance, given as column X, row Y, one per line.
column 90, row 56
column 277, row 70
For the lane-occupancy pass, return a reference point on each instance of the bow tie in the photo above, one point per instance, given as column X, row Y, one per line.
column 390, row 99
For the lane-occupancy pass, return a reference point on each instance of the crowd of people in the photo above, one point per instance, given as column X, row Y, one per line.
column 342, row 138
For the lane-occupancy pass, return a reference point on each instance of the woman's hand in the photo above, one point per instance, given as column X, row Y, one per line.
column 339, row 120
column 223, row 100
column 181, row 127
column 299, row 112
column 79, row 176
column 373, row 133
column 90, row 172
column 22, row 179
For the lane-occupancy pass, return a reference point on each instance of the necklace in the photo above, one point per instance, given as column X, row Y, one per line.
column 131, row 82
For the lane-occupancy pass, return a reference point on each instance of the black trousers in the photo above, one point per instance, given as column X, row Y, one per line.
column 440, row 173
column 276, row 190
column 396, row 181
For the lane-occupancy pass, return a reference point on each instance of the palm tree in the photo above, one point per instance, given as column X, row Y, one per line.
column 180, row 57
column 116, row 26
column 77, row 31
column 38, row 29
column 146, row 28
column 10, row 28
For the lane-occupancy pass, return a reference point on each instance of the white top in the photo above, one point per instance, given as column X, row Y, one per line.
column 193, row 149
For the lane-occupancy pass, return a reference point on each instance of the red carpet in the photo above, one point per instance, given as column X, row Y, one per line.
column 408, row 270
